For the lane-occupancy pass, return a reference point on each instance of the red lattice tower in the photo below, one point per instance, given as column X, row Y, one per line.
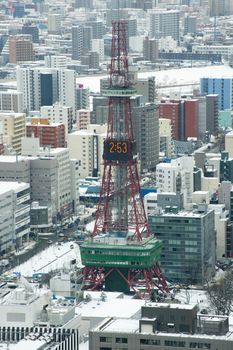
column 122, row 254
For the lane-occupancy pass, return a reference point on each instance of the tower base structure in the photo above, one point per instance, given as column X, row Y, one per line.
column 132, row 267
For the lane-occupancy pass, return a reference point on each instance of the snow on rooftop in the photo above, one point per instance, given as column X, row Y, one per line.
column 121, row 308
column 27, row 345
column 123, row 326
column 6, row 186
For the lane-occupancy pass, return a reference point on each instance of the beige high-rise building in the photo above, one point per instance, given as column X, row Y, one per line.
column 20, row 49
column 54, row 23
column 83, row 118
column 13, row 128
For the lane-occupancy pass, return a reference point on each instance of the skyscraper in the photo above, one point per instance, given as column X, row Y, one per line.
column 223, row 87
column 45, row 86
column 150, row 49
column 20, row 49
column 165, row 23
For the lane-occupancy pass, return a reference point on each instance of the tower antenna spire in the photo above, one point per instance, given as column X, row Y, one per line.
column 122, row 254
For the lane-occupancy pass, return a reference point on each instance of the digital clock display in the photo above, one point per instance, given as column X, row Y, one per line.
column 120, row 150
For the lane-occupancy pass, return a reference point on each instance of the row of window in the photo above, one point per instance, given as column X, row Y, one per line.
column 172, row 343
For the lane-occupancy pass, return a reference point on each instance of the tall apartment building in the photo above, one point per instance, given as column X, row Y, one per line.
column 223, row 87
column 150, row 49
column 58, row 113
column 97, row 45
column 220, row 8
column 226, row 167
column 51, row 180
column 91, row 60
column 87, row 4
column 146, row 131
column 77, row 42
column 165, row 23
column 190, row 24
column 31, row 30
column 229, row 143
column 86, row 146
column 11, row 100
column 98, row 28
column 56, row 61
column 165, row 137
column 54, row 23
column 212, row 113
column 176, row 176
column 49, row 134
column 191, row 114
column 83, row 119
column 45, row 86
column 20, row 49
column 99, row 114
column 14, row 214
column 82, row 97
column 184, row 116
column 13, row 126
column 188, row 238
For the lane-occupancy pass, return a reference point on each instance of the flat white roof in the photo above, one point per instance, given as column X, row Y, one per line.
column 12, row 159
column 6, row 186
column 123, row 325
column 124, row 308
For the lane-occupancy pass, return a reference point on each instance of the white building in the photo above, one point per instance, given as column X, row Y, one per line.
column 22, row 306
column 221, row 220
column 165, row 23
column 54, row 61
column 229, row 143
column 13, row 128
column 14, row 214
column 51, row 179
column 11, row 100
column 150, row 203
column 225, row 50
column 54, row 23
column 176, row 176
column 45, row 86
column 58, row 113
column 97, row 45
column 165, row 136
column 87, row 147
column 83, row 118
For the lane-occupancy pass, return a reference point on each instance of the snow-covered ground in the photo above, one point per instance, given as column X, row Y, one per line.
column 168, row 77
column 52, row 258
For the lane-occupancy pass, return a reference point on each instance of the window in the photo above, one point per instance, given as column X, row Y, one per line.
column 122, row 340
column 105, row 339
column 195, row 345
column 175, row 343
column 150, row 341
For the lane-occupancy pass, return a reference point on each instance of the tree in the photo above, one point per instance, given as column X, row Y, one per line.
column 220, row 294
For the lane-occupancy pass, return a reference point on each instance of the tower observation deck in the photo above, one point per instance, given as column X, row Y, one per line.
column 121, row 254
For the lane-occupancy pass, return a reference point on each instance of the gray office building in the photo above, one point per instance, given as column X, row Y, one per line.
column 188, row 238
column 146, row 131
column 163, row 327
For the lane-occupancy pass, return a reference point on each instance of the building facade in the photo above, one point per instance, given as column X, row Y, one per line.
column 13, row 126
column 20, row 49
column 188, row 238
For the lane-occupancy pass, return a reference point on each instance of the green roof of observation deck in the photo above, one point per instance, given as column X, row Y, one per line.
column 132, row 255
column 119, row 91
